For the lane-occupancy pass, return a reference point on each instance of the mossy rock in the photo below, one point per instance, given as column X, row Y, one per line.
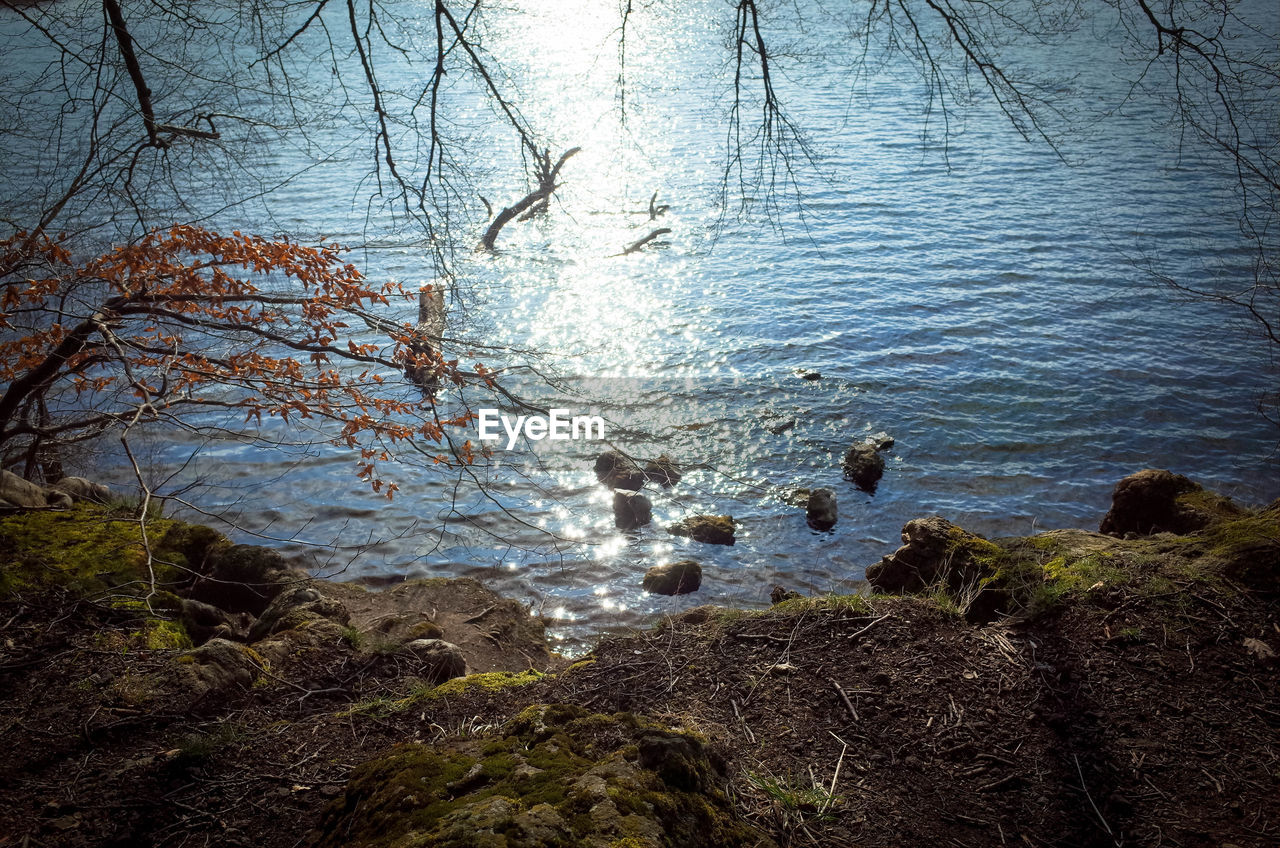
column 1158, row 501
column 194, row 544
column 1247, row 550
column 708, row 529
column 425, row 630
column 85, row 550
column 492, row 681
column 155, row 623
column 552, row 777
column 936, row 554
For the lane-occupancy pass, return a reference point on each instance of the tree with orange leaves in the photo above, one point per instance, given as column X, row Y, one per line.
column 186, row 323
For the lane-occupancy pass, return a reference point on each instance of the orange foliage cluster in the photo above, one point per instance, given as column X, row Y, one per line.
column 187, row 320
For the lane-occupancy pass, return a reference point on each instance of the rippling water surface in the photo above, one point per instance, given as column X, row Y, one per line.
column 983, row 302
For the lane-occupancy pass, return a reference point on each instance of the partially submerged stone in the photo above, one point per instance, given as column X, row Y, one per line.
column 709, row 529
column 778, row 426
column 881, row 441
column 820, row 509
column 662, row 471
column 798, row 496
column 864, row 465
column 617, row 471
column 631, row 510
column 673, row 578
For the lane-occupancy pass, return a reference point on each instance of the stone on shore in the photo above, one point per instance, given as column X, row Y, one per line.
column 80, row 489
column 675, row 578
column 781, row 593
column 437, row 659
column 295, row 608
column 709, row 529
column 937, row 554
column 1158, row 501
column 244, row 578
column 15, row 492
column 217, row 666
column 552, row 776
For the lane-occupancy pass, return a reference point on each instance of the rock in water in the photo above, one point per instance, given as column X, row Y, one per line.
column 778, row 426
column 676, row 578
column 1159, row 501
column 864, row 465
column 631, row 510
column 808, row 374
column 440, row 660
column 821, row 509
column 662, row 471
column 709, row 529
column 618, row 472
column 795, row 497
column 881, row 441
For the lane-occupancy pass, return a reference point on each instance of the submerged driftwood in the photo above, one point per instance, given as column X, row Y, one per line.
column 636, row 245
column 425, row 349
column 533, row 202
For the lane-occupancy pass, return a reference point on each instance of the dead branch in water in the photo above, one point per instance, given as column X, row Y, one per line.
column 654, row 209
column 533, row 202
column 636, row 245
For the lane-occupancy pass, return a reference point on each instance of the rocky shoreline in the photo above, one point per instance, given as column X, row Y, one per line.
column 1068, row 688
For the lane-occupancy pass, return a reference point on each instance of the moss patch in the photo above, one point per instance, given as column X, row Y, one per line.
column 86, row 550
column 488, row 682
column 1041, row 572
column 553, row 777
column 856, row 604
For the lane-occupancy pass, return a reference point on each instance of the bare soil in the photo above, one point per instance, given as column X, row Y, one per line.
column 1120, row 715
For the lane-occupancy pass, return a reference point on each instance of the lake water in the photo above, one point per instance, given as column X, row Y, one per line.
column 983, row 302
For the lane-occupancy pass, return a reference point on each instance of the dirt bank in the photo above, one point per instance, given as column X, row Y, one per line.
column 1121, row 691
